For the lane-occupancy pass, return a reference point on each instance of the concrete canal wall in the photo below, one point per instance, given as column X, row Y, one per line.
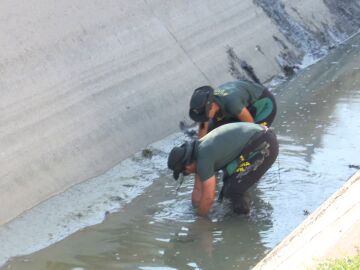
column 84, row 84
column 332, row 231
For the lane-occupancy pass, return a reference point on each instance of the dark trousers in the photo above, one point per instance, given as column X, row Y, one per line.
column 239, row 182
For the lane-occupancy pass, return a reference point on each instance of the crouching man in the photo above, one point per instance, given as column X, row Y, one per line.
column 244, row 151
column 238, row 101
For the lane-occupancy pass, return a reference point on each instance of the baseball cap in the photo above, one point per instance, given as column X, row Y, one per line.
column 179, row 157
column 200, row 103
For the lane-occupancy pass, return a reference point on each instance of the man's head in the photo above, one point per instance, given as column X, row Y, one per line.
column 200, row 103
column 180, row 159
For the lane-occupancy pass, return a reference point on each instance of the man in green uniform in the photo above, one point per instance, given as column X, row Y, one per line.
column 244, row 151
column 236, row 101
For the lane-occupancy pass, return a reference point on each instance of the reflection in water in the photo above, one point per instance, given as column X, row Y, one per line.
column 316, row 127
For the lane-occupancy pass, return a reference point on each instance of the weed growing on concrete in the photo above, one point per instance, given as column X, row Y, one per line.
column 347, row 263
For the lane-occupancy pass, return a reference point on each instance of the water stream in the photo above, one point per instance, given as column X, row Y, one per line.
column 318, row 130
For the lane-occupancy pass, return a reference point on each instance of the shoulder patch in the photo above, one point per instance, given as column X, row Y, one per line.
column 220, row 92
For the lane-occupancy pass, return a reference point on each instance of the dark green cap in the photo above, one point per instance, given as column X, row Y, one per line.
column 179, row 157
column 200, row 103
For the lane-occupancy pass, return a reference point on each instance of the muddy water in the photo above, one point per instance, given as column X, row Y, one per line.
column 318, row 130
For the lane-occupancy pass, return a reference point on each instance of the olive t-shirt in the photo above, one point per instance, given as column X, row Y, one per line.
column 221, row 146
column 232, row 97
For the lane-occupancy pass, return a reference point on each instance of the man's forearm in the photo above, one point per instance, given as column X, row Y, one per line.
column 195, row 200
column 208, row 188
column 196, row 194
column 203, row 129
column 245, row 116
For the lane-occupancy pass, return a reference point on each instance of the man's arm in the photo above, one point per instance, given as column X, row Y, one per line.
column 245, row 116
column 196, row 194
column 208, row 188
column 203, row 129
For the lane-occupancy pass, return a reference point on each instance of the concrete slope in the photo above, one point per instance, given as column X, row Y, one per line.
column 332, row 231
column 86, row 83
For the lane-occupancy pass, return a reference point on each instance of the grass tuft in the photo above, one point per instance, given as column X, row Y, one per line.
column 347, row 263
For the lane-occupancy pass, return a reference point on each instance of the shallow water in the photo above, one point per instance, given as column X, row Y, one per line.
column 318, row 130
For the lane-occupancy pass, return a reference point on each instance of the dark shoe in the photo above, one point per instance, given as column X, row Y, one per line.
column 241, row 203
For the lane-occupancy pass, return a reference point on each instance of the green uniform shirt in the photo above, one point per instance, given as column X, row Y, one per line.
column 232, row 97
column 221, row 146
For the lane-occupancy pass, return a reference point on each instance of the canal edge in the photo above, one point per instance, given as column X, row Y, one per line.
column 332, row 230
